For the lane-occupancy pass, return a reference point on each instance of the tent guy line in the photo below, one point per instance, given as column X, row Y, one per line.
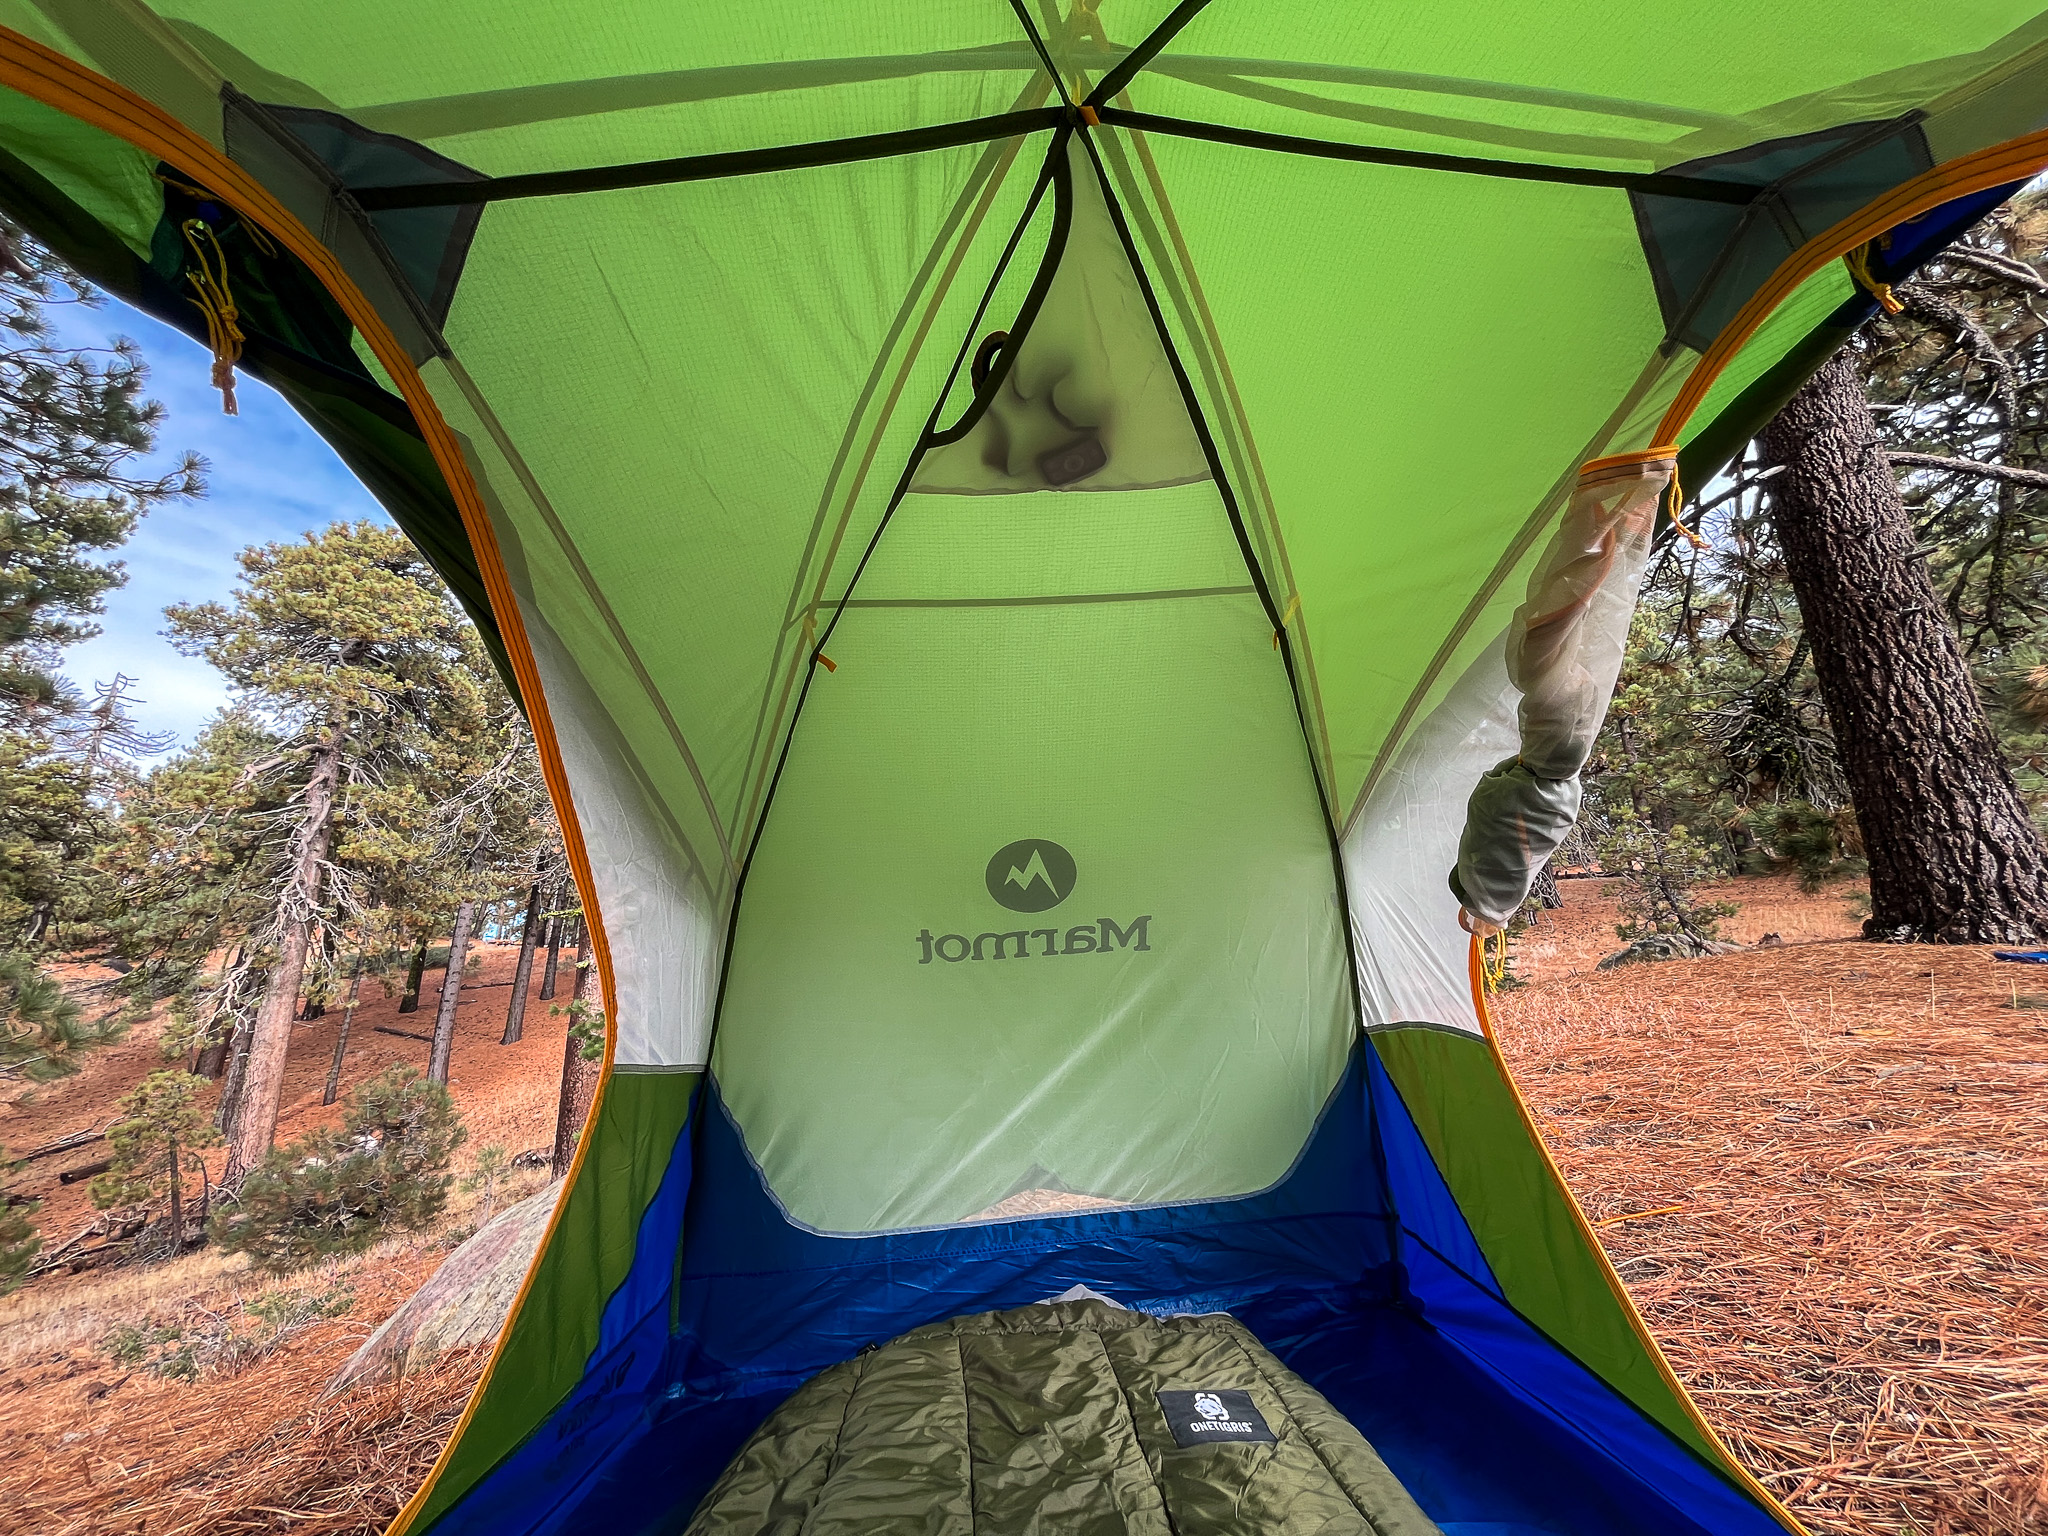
column 980, row 130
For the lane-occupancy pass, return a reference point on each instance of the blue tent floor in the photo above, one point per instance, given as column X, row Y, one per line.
column 1478, row 1458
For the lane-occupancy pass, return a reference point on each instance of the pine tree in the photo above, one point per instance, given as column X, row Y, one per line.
column 156, row 1147
column 352, row 651
column 339, row 1189
column 72, row 423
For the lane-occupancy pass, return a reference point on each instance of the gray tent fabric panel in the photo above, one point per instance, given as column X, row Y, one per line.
column 1076, row 1416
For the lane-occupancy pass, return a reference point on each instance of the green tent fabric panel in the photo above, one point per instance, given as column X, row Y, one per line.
column 1370, row 398
column 549, row 1339
column 747, row 341
column 912, row 1033
column 1473, row 1127
column 1633, row 86
column 547, row 566
column 109, row 179
column 556, row 87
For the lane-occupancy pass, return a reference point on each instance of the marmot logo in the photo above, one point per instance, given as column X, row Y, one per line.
column 1209, row 1406
column 1031, row 875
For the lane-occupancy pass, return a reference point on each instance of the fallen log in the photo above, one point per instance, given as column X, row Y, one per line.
column 63, row 1144
column 403, row 1034
column 73, row 1175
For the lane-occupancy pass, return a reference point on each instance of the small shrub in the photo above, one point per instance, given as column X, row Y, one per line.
column 1661, row 873
column 161, row 1350
column 19, row 1244
column 1821, row 845
column 491, row 1168
column 204, row 1342
column 154, row 1158
column 338, row 1190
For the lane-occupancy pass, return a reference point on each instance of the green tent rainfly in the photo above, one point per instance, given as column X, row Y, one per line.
column 1041, row 543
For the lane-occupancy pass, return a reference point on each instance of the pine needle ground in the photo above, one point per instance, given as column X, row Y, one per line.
column 1822, row 1170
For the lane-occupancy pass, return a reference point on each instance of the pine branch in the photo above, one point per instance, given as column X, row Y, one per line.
column 1970, row 467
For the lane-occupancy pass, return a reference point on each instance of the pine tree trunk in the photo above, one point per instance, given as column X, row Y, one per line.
column 415, row 973
column 348, row 1014
column 233, row 1075
column 177, row 1202
column 579, row 1077
column 547, row 979
column 270, row 1041
column 515, row 1015
column 451, row 994
column 213, row 1056
column 1954, row 857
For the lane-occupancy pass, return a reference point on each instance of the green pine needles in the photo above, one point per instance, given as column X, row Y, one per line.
column 156, row 1151
column 341, row 1188
column 1661, row 874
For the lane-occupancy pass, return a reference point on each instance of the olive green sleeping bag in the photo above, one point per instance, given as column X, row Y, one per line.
column 1068, row 1417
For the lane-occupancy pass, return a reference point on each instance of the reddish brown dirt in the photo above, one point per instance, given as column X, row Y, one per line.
column 98, row 1449
column 1579, row 935
column 1823, row 1172
column 505, row 1093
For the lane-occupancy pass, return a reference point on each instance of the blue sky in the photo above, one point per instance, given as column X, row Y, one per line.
column 269, row 477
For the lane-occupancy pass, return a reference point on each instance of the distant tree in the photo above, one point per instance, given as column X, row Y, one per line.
column 1954, row 854
column 582, row 1054
column 202, row 841
column 73, row 422
column 156, row 1146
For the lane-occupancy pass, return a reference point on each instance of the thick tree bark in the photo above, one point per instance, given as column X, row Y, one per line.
column 213, row 1056
column 451, row 993
column 234, row 1072
column 529, row 936
column 270, row 1041
column 415, row 973
column 579, row 1077
column 348, row 1015
column 547, row 979
column 1954, row 857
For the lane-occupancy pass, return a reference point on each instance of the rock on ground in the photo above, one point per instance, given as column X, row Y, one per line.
column 465, row 1302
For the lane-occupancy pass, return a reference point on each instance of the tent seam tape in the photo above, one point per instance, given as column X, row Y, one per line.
column 1741, row 1474
column 62, row 83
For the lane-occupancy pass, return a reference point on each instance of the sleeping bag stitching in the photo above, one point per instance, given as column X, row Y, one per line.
column 1135, row 1442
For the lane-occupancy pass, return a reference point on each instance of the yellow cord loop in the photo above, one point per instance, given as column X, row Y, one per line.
column 1677, row 494
column 216, row 301
column 1858, row 263
column 1287, row 618
column 1493, row 961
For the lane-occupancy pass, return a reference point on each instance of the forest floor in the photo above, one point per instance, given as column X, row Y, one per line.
column 100, row 1443
column 1822, row 1171
column 1821, row 1168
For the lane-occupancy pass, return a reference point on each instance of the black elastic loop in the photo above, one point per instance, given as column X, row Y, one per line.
column 985, row 356
column 1058, row 171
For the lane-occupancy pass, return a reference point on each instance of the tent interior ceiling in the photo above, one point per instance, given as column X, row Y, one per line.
column 1033, row 494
